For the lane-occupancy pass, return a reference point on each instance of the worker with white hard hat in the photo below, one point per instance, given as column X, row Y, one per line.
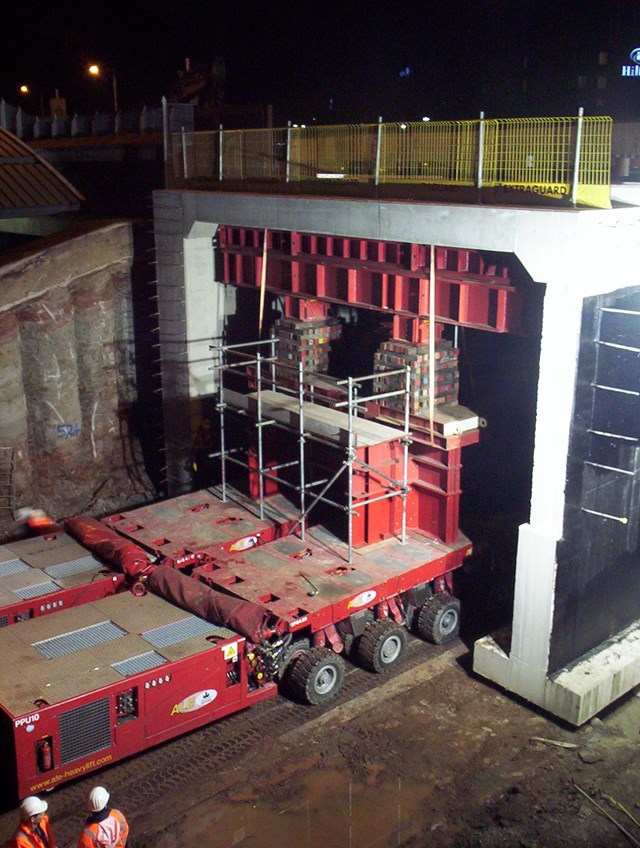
column 106, row 827
column 34, row 830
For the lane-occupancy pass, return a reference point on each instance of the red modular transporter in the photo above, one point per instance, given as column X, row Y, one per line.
column 89, row 686
column 245, row 596
column 52, row 571
column 47, row 573
column 309, row 589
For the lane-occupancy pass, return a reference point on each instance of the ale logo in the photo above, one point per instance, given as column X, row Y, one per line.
column 195, row 702
column 244, row 544
column 362, row 599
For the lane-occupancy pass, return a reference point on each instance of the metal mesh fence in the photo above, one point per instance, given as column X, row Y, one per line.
column 339, row 152
column 537, row 155
column 528, row 151
column 595, row 162
column 434, row 152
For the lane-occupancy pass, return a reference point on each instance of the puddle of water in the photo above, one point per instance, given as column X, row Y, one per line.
column 323, row 808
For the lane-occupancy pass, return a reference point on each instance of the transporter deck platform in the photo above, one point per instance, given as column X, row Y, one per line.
column 201, row 522
column 85, row 649
column 43, row 574
column 311, row 582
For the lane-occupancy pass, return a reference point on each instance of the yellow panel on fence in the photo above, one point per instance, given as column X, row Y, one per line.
column 592, row 195
column 594, row 173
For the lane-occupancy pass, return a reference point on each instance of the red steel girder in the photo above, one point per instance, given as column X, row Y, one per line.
column 391, row 277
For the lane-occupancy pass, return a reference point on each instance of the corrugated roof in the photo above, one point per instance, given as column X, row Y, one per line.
column 29, row 185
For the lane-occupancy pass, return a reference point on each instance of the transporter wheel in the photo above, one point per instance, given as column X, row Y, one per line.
column 382, row 645
column 292, row 653
column 439, row 618
column 316, row 676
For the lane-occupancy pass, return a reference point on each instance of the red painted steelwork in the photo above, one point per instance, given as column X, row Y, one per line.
column 387, row 276
column 182, row 530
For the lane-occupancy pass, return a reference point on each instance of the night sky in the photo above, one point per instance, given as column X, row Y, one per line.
column 331, row 61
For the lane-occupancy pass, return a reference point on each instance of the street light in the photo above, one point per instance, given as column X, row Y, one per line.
column 27, row 92
column 97, row 71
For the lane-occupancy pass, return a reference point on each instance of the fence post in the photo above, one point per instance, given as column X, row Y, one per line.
column 220, row 159
column 165, row 130
column 378, row 146
column 576, row 161
column 288, row 166
column 480, row 149
column 184, row 155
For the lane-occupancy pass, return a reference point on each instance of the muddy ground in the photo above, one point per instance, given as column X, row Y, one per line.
column 432, row 757
column 435, row 759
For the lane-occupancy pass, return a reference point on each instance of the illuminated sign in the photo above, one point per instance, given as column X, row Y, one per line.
column 632, row 70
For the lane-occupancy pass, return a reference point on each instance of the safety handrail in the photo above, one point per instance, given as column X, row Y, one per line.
column 558, row 157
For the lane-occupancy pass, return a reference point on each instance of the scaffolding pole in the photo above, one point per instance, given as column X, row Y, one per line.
column 259, row 425
column 301, row 444
column 350, row 458
column 354, row 400
column 221, row 409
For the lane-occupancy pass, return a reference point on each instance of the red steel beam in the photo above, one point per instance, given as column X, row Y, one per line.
column 384, row 276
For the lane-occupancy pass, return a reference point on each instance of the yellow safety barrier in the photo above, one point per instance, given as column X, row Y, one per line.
column 538, row 156
column 560, row 158
column 430, row 152
column 594, row 173
column 254, row 154
column 336, row 152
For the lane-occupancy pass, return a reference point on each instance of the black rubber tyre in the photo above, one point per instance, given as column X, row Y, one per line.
column 382, row 645
column 291, row 653
column 439, row 618
column 315, row 677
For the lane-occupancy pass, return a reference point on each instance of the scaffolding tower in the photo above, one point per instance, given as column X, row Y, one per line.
column 301, row 405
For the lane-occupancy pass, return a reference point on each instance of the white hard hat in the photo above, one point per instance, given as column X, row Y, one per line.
column 27, row 512
column 98, row 799
column 33, row 806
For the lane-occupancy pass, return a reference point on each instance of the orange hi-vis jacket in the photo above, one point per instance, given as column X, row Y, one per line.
column 41, row 525
column 111, row 832
column 26, row 836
